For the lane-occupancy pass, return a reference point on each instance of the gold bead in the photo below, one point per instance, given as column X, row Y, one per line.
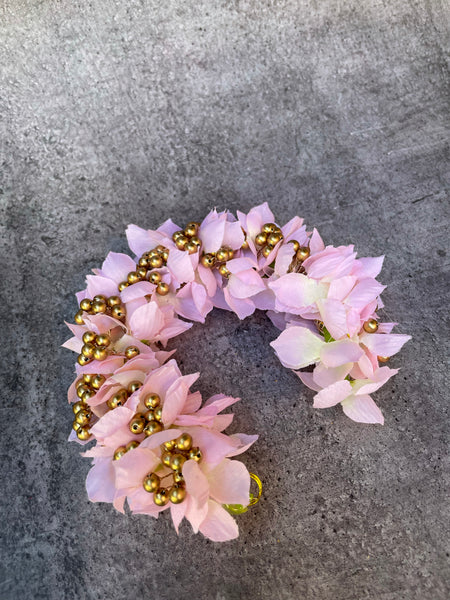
column 160, row 249
column 83, row 434
column 190, row 229
column 184, row 442
column 81, row 389
column 302, row 253
column 178, row 477
column 134, row 386
column 191, row 248
column 132, row 445
column 88, row 350
column 137, row 425
column 152, row 427
column 99, row 306
column 78, row 318
column 383, row 359
column 222, row 255
column 260, row 239
column 133, row 277
column 162, row 288
column 141, row 272
column 371, row 326
column 223, row 270
column 208, row 260
column 83, row 417
column 113, row 301
column 103, row 340
column 177, row 494
column 158, row 413
column 267, row 250
column 195, row 240
column 177, row 461
column 149, row 416
column 120, row 451
column 86, row 304
column 155, row 262
column 165, row 458
column 177, row 235
column 83, row 360
column 100, row 353
column 118, row 399
column 295, row 244
column 230, row 254
column 76, row 426
column 99, row 297
column 87, row 378
column 80, row 382
column 98, row 381
column 152, row 401
column 143, row 261
column 245, row 245
column 151, row 482
column 274, row 238
column 88, row 336
column 118, row 312
column 131, row 351
column 269, row 228
column 88, row 395
column 161, row 497
column 122, row 285
column 195, row 454
column 80, row 405
column 154, row 277
column 181, row 242
column 170, row 445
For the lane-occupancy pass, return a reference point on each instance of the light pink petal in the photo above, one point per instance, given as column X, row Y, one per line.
column 142, row 240
column 73, row 344
column 100, row 481
column 367, row 266
column 384, row 344
column 242, row 442
column 297, row 291
column 243, row 308
column 197, row 485
column 297, row 347
column 193, row 302
column 364, row 292
column 245, row 284
column 221, row 422
column 146, row 321
column 324, row 376
column 215, row 446
column 284, row 258
column 229, row 483
column 180, row 265
column 117, row 266
column 168, row 228
column 100, row 285
column 176, row 397
column 109, row 365
column 193, row 403
column 133, row 467
column 208, row 279
column 234, row 236
column 212, row 234
column 334, row 316
column 335, row 354
column 379, row 378
column 195, row 514
column 137, row 290
column 316, row 244
column 177, row 512
column 219, row 525
column 362, row 409
column 307, row 379
column 257, row 216
column 333, row 394
column 340, row 288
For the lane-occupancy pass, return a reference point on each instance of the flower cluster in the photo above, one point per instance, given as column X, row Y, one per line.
column 157, row 447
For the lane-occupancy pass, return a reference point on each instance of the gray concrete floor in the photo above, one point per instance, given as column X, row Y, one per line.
column 116, row 112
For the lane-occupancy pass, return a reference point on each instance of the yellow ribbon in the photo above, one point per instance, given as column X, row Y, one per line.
column 239, row 509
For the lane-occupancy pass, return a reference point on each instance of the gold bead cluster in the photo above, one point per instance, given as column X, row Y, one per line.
column 218, row 260
column 95, row 347
column 111, row 306
column 121, row 396
column 174, row 454
column 268, row 238
column 87, row 386
column 153, row 259
column 186, row 239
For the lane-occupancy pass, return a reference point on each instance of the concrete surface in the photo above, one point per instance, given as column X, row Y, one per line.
column 115, row 112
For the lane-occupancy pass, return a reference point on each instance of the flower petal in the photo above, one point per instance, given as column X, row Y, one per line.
column 229, row 483
column 362, row 409
column 297, row 347
column 219, row 525
column 333, row 394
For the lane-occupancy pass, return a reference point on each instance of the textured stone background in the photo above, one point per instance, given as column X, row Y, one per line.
column 115, row 112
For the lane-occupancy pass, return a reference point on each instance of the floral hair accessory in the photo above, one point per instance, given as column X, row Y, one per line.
column 158, row 447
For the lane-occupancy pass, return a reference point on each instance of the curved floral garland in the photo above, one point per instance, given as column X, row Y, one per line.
column 156, row 445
